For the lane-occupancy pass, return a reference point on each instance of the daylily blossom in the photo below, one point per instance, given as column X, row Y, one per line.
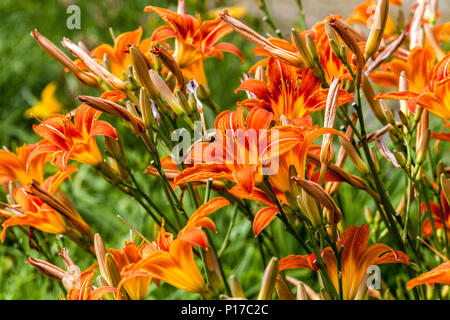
column 118, row 55
column 428, row 83
column 13, row 166
column 240, row 148
column 356, row 258
column 32, row 211
column 75, row 140
column 440, row 274
column 195, row 40
column 363, row 14
column 435, row 209
column 173, row 260
column 48, row 104
column 288, row 92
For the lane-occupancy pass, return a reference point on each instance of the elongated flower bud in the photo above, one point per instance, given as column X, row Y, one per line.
column 445, row 185
column 117, row 110
column 312, row 49
column 354, row 156
column 374, row 104
column 348, row 36
column 48, row 269
column 58, row 55
column 111, row 80
column 236, row 288
column 377, row 30
column 100, row 252
column 166, row 93
column 403, row 86
column 268, row 281
column 252, row 36
column 171, row 64
column 423, row 138
column 326, row 151
column 318, row 193
column 145, row 108
column 141, row 68
column 333, row 39
column 301, row 47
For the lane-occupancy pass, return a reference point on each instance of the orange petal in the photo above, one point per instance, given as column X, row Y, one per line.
column 440, row 274
column 263, row 218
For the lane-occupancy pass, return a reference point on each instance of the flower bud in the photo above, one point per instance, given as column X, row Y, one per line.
column 375, row 105
column 236, row 288
column 301, row 47
column 111, row 80
column 403, row 86
column 282, row 289
column 166, row 93
column 334, row 41
column 354, row 156
column 423, row 138
column 58, row 55
column 312, row 49
column 251, row 35
column 170, row 63
column 100, row 252
column 141, row 68
column 146, row 108
column 377, row 30
column 269, row 279
column 445, row 185
column 117, row 110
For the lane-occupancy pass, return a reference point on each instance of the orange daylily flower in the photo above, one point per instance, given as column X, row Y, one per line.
column 176, row 266
column 192, row 232
column 135, row 284
column 172, row 260
column 428, row 84
column 84, row 290
column 356, row 258
column 435, row 209
column 75, row 140
column 440, row 274
column 36, row 213
column 332, row 66
column 13, row 166
column 118, row 54
column 363, row 14
column 240, row 148
column 195, row 40
column 288, row 93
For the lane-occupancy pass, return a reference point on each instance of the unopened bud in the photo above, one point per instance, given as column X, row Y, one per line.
column 141, row 68
column 445, row 185
column 268, row 281
column 312, row 49
column 334, row 41
column 301, row 48
column 354, row 156
column 166, row 93
column 236, row 288
column 368, row 215
column 377, row 30
column 400, row 158
column 374, row 156
column 170, row 63
column 146, row 108
column 282, row 289
column 403, row 86
column 251, row 35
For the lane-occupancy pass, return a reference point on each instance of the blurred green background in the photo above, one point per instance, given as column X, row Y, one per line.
column 26, row 69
